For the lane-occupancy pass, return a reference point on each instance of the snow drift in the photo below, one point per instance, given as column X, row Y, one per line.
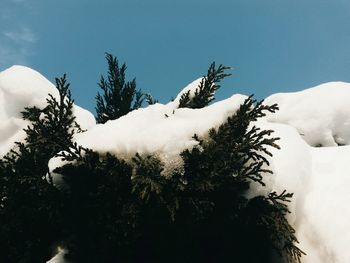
column 318, row 177
column 320, row 114
column 22, row 87
column 158, row 129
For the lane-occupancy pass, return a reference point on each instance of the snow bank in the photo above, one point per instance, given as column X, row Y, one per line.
column 291, row 166
column 191, row 88
column 22, row 87
column 163, row 130
column 321, row 114
column 157, row 129
column 318, row 177
column 325, row 230
column 320, row 181
column 59, row 257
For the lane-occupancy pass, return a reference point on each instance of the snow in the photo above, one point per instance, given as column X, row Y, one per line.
column 59, row 257
column 23, row 87
column 157, row 129
column 291, row 166
column 318, row 177
column 325, row 229
column 191, row 88
column 163, row 130
column 321, row 114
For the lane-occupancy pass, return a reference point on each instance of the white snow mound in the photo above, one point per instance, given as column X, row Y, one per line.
column 291, row 166
column 22, row 87
column 320, row 114
column 158, row 129
column 324, row 230
column 191, row 88
column 163, row 130
column 59, row 257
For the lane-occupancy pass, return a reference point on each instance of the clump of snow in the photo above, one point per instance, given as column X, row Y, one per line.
column 22, row 87
column 52, row 176
column 158, row 128
column 191, row 88
column 59, row 257
column 324, row 231
column 162, row 130
column 321, row 114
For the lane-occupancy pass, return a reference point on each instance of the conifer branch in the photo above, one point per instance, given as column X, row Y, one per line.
column 119, row 96
column 204, row 94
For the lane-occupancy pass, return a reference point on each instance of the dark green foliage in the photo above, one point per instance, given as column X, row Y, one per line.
column 111, row 205
column 30, row 216
column 99, row 208
column 204, row 94
column 282, row 234
column 53, row 127
column 31, row 207
column 118, row 96
column 150, row 100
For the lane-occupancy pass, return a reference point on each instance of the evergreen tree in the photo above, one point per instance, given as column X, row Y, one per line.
column 31, row 209
column 204, row 94
column 118, row 95
column 150, row 100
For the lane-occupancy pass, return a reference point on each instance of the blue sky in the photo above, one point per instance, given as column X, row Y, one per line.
column 273, row 45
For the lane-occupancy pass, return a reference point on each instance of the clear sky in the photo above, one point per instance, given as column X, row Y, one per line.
column 273, row 45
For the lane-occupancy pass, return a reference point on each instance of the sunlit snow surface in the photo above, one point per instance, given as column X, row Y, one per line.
column 22, row 87
column 59, row 257
column 318, row 177
column 320, row 114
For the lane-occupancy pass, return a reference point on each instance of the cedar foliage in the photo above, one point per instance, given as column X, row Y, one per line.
column 204, row 94
column 31, row 207
column 150, row 100
column 112, row 210
column 257, row 224
column 118, row 95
